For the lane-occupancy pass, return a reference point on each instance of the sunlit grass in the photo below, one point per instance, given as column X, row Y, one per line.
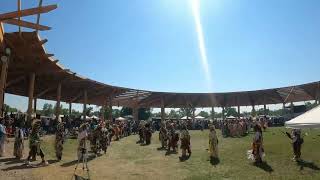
column 127, row 160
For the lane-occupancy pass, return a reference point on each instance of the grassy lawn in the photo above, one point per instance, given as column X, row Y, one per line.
column 127, row 160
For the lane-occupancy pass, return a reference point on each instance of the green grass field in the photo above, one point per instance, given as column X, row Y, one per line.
column 127, row 160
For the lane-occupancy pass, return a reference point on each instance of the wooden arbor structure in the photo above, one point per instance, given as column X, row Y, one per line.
column 28, row 70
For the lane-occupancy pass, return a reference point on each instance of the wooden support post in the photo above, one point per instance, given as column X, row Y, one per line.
column 1, row 36
column 85, row 99
column 193, row 113
column 30, row 94
column 253, row 112
column 135, row 113
column 35, row 105
column 239, row 114
column 163, row 118
column 110, row 108
column 212, row 113
column 58, row 108
column 223, row 115
column 70, row 109
column 265, row 109
column 3, row 79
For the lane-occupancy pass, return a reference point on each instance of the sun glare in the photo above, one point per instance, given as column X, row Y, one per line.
column 195, row 5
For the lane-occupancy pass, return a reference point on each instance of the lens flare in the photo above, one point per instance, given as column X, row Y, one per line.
column 195, row 4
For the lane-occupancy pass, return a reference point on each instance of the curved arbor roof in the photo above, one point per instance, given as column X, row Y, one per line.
column 29, row 55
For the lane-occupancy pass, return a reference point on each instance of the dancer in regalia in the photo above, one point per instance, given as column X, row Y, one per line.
column 257, row 144
column 59, row 139
column 35, row 143
column 163, row 135
column 18, row 142
column 297, row 142
column 185, row 143
column 213, row 143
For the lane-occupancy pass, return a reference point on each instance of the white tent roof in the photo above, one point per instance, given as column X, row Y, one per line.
column 231, row 117
column 199, row 117
column 95, row 117
column 310, row 119
column 185, row 117
column 121, row 119
column 87, row 117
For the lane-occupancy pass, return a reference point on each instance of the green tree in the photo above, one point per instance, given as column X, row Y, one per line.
column 75, row 113
column 89, row 111
column 186, row 112
column 115, row 113
column 204, row 114
column 47, row 109
column 231, row 112
column 9, row 109
column 144, row 113
column 125, row 111
column 310, row 105
column 173, row 114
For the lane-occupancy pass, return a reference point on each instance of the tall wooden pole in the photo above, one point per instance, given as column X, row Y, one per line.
column 58, row 108
column 212, row 113
column 253, row 110
column 3, row 79
column 135, row 113
column 85, row 99
column 35, row 105
column 110, row 108
column 70, row 109
column 223, row 115
column 265, row 109
column 239, row 114
column 162, row 111
column 193, row 113
column 30, row 94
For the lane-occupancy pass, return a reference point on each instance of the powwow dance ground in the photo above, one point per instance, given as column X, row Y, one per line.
column 127, row 160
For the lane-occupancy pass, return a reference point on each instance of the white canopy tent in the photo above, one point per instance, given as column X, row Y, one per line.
column 310, row 119
column 199, row 118
column 185, row 118
column 231, row 117
column 121, row 119
column 94, row 117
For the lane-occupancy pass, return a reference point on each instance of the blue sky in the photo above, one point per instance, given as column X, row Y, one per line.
column 153, row 44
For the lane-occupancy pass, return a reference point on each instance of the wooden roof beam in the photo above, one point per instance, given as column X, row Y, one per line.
column 26, row 24
column 38, row 16
column 27, row 12
column 14, row 81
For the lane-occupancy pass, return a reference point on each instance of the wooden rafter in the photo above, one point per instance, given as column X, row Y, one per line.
column 27, row 12
column 26, row 24
column 19, row 9
column 38, row 16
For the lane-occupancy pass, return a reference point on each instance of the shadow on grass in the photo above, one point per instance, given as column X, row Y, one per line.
column 74, row 162
column 184, row 158
column 52, row 161
column 305, row 164
column 8, row 159
column 264, row 166
column 161, row 149
column 214, row 161
column 143, row 144
column 18, row 167
column 168, row 153
column 14, row 161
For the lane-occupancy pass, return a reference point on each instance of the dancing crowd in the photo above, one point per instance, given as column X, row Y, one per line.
column 99, row 134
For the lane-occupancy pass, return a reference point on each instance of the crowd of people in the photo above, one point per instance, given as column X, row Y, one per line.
column 99, row 134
